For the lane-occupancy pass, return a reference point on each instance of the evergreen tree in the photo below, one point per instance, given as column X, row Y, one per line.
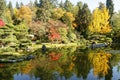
column 77, row 8
column 36, row 3
column 110, row 6
column 10, row 8
column 17, row 5
column 80, row 4
column 54, row 3
column 43, row 12
column 2, row 7
column 61, row 5
column 45, row 4
column 68, row 6
column 83, row 19
column 21, row 4
column 31, row 5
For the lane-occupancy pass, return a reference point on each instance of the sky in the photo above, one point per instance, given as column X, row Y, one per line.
column 91, row 3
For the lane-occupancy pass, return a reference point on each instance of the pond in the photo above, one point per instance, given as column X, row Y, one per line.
column 70, row 63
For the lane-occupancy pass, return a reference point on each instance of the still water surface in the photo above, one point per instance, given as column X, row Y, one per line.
column 66, row 64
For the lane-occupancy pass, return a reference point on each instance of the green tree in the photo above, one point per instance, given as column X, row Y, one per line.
column 79, row 4
column 61, row 4
column 36, row 3
column 116, row 27
column 2, row 7
column 17, row 5
column 68, row 18
column 21, row 4
column 68, row 6
column 110, row 7
column 10, row 7
column 43, row 12
column 116, row 22
column 54, row 3
column 83, row 19
column 44, row 4
column 76, row 8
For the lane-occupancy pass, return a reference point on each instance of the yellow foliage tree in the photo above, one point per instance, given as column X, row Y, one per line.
column 57, row 13
column 16, row 12
column 101, row 63
column 100, row 23
column 24, row 14
column 68, row 18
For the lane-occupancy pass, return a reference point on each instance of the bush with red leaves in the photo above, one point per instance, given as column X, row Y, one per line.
column 2, row 23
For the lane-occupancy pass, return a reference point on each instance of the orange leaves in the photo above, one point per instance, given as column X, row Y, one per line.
column 55, row 56
column 53, row 34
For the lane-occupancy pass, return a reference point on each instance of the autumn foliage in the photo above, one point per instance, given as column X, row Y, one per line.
column 100, row 23
column 54, row 56
column 53, row 35
column 101, row 63
column 2, row 23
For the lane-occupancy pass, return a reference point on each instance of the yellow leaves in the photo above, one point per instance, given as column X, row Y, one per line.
column 71, row 66
column 74, row 25
column 100, row 23
column 100, row 63
column 24, row 13
column 57, row 13
column 70, row 16
column 27, row 68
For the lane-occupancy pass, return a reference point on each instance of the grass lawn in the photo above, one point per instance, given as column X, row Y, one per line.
column 50, row 45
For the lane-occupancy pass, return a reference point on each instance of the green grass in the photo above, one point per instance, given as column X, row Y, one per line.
column 50, row 45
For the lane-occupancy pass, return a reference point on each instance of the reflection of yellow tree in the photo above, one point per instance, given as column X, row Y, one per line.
column 27, row 68
column 101, row 63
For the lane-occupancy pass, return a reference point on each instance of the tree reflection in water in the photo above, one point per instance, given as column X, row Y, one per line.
column 101, row 65
column 82, row 64
column 63, row 65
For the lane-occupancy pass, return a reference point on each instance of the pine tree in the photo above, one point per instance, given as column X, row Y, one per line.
column 68, row 6
column 2, row 7
column 61, row 5
column 43, row 12
column 10, row 8
column 17, row 5
column 21, row 4
column 110, row 7
column 80, row 4
column 83, row 19
column 45, row 4
column 36, row 3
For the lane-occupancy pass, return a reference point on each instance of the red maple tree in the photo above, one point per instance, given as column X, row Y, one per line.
column 53, row 35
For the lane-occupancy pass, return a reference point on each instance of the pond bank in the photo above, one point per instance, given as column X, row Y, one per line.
column 50, row 45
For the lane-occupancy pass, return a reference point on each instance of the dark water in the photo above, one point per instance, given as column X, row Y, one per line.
column 66, row 64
